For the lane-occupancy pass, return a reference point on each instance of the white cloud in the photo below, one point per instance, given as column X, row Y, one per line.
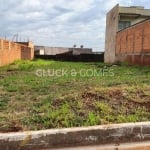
column 59, row 22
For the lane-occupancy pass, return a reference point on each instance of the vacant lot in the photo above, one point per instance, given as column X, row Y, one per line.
column 47, row 94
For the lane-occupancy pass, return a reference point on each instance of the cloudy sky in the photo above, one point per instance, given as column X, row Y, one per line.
column 59, row 22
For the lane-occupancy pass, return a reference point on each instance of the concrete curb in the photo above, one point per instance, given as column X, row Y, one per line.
column 55, row 138
column 122, row 146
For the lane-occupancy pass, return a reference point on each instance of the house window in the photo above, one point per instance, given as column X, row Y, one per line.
column 124, row 24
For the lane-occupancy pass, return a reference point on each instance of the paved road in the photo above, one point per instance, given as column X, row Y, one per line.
column 133, row 146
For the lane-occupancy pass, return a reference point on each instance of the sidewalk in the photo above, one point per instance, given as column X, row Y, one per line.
column 126, row 146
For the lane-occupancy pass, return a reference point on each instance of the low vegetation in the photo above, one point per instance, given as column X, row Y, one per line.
column 39, row 95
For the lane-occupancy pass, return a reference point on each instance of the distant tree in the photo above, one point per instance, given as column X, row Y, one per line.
column 74, row 46
column 81, row 46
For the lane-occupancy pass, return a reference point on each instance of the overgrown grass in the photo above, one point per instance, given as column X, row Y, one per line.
column 115, row 94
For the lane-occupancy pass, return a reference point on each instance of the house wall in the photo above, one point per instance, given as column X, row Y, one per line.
column 27, row 50
column 133, row 44
column 55, row 50
column 78, row 51
column 134, row 21
column 110, row 36
column 10, row 51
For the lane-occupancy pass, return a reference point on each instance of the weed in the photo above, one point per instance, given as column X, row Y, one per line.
column 54, row 102
column 3, row 102
column 92, row 119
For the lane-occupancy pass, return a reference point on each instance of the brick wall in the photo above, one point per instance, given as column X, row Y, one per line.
column 133, row 44
column 10, row 51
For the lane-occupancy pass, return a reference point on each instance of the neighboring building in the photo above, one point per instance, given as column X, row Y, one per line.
column 27, row 53
column 50, row 50
column 40, row 52
column 118, row 19
column 45, row 50
column 12, row 51
column 79, row 51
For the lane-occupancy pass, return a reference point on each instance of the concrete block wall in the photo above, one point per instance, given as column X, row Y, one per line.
column 10, row 51
column 133, row 44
